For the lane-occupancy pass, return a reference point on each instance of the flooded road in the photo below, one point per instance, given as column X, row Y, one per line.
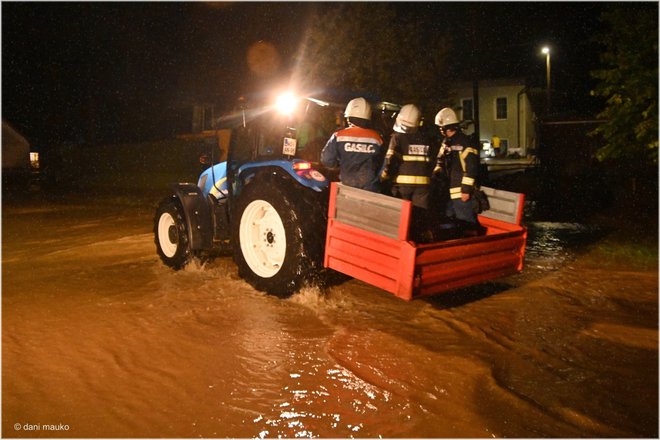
column 99, row 339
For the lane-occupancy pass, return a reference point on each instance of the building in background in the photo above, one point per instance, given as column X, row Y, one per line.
column 18, row 162
column 504, row 110
column 15, row 150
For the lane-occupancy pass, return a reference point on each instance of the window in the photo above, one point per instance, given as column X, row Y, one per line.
column 34, row 159
column 468, row 110
column 501, row 110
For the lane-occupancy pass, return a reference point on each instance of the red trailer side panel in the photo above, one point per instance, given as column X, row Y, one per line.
column 407, row 269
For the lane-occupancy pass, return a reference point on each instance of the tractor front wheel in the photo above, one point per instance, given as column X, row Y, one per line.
column 171, row 234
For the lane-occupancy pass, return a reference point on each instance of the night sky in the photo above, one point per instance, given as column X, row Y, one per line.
column 118, row 72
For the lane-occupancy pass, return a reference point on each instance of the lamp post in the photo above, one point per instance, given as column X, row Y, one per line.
column 546, row 51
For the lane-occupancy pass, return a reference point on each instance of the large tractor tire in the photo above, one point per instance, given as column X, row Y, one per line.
column 171, row 234
column 278, row 234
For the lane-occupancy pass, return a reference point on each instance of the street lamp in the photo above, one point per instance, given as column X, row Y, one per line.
column 546, row 51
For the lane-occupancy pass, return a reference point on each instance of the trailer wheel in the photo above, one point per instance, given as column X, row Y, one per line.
column 276, row 250
column 171, row 234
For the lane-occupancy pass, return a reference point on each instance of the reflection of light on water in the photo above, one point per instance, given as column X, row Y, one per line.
column 296, row 417
column 299, row 394
column 549, row 244
column 290, row 415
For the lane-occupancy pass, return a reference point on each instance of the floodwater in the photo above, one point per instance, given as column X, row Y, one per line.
column 99, row 339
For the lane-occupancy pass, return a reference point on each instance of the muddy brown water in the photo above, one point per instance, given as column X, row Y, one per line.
column 99, row 339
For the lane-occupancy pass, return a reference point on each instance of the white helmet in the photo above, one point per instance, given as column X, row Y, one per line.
column 358, row 108
column 407, row 120
column 446, row 117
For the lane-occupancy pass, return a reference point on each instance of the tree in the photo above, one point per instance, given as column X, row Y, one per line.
column 629, row 83
column 377, row 49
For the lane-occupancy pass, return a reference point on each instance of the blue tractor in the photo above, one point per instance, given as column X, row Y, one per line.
column 266, row 204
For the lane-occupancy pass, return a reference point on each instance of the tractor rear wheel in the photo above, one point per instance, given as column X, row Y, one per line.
column 277, row 244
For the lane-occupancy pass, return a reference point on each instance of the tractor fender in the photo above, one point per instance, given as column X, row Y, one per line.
column 197, row 213
column 308, row 178
column 275, row 175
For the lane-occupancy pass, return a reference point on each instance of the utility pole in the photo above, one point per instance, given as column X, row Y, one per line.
column 475, row 72
column 546, row 51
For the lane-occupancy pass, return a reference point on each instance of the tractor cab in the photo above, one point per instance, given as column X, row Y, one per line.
column 285, row 129
column 287, row 134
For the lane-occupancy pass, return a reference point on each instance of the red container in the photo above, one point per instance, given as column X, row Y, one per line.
column 368, row 239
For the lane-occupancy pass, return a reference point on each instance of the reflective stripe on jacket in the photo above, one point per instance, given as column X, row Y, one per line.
column 463, row 165
column 408, row 160
column 358, row 152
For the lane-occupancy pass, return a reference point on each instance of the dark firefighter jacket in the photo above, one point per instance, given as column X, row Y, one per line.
column 359, row 154
column 410, row 159
column 461, row 164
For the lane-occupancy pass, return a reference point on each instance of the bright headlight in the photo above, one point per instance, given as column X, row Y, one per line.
column 286, row 103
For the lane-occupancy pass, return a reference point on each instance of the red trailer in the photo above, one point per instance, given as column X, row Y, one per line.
column 367, row 239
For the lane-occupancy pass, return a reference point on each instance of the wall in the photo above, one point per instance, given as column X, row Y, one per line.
column 518, row 128
column 15, row 149
column 144, row 167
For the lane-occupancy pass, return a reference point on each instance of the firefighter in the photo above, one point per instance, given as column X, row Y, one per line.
column 495, row 143
column 459, row 159
column 357, row 150
column 408, row 165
